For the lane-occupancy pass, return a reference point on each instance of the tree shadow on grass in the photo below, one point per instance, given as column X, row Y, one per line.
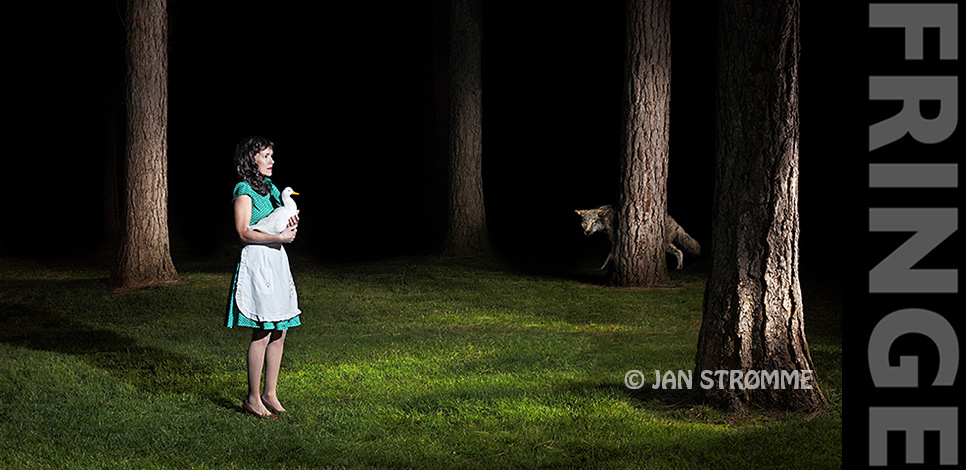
column 644, row 397
column 149, row 369
column 585, row 268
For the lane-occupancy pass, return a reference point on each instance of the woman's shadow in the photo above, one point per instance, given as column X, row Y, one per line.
column 148, row 368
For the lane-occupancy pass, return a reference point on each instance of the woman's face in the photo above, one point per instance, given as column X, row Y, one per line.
column 265, row 161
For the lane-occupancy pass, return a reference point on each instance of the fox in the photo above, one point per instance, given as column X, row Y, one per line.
column 601, row 220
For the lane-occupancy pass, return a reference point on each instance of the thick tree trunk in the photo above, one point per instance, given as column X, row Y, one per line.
column 467, row 231
column 753, row 311
column 144, row 257
column 642, row 201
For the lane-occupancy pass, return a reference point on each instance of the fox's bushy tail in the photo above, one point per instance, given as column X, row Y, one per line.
column 685, row 241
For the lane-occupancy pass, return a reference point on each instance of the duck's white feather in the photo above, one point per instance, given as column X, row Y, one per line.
column 277, row 221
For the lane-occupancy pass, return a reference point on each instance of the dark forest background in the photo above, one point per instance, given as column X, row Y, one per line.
column 353, row 95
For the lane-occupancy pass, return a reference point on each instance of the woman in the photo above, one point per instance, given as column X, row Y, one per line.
column 263, row 292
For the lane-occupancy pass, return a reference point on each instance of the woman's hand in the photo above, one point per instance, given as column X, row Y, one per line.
column 288, row 235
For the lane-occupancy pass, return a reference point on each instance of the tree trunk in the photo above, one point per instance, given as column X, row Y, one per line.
column 642, row 201
column 753, row 312
column 145, row 257
column 467, row 232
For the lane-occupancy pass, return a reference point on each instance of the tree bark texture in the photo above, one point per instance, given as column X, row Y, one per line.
column 753, row 311
column 467, row 230
column 639, row 258
column 145, row 257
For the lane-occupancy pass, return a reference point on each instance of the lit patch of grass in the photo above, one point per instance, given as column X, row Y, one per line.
column 405, row 363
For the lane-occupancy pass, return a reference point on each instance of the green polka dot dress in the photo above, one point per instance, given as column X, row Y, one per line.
column 262, row 290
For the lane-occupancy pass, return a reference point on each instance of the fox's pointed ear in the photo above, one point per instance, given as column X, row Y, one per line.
column 580, row 211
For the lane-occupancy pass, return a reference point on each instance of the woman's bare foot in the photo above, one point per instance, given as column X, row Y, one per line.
column 257, row 409
column 273, row 404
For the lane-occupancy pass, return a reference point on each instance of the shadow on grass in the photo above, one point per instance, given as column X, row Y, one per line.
column 149, row 369
column 644, row 397
column 585, row 268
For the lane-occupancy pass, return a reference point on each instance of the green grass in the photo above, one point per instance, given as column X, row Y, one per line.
column 417, row 362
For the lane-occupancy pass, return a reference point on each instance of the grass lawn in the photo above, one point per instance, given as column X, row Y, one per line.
column 414, row 362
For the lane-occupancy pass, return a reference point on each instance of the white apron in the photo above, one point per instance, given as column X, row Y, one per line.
column 265, row 291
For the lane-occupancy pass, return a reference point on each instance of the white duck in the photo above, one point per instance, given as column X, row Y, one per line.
column 276, row 222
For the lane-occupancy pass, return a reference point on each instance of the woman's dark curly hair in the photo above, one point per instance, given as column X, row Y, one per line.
column 245, row 164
